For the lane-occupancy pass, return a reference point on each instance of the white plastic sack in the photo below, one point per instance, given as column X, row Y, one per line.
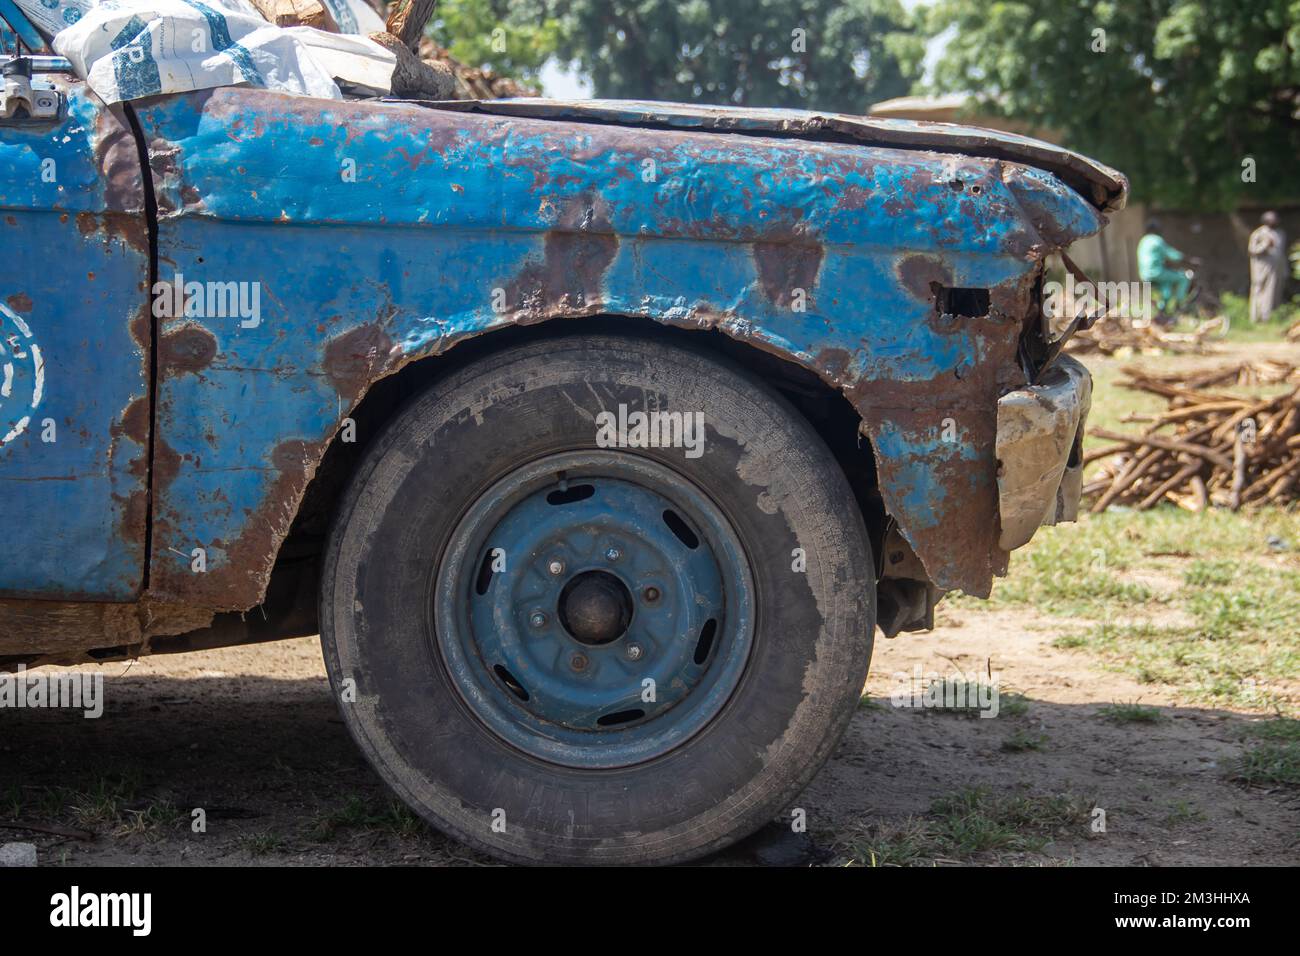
column 351, row 16
column 359, row 63
column 127, row 49
column 355, row 16
column 51, row 16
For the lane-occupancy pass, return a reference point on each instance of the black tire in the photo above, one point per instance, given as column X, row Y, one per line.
column 763, row 465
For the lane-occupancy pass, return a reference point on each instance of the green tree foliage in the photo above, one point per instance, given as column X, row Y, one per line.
column 822, row 54
column 1176, row 93
column 513, row 37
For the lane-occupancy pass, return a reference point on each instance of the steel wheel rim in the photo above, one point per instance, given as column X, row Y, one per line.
column 511, row 643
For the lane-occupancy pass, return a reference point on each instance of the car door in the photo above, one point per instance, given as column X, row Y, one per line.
column 75, row 330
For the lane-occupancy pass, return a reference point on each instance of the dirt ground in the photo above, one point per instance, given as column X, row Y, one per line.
column 252, row 737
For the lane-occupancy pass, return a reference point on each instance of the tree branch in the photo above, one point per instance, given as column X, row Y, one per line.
column 408, row 20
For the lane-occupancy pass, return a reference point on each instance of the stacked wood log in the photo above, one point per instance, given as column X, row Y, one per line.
column 1252, row 373
column 1209, row 448
column 297, row 13
column 1115, row 334
column 1293, row 333
column 473, row 83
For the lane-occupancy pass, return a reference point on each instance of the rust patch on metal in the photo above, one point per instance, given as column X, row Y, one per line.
column 20, row 302
column 166, row 464
column 240, row 580
column 190, row 348
column 354, row 360
column 118, row 160
column 784, row 267
column 135, row 421
column 917, row 272
column 129, row 228
column 569, row 279
column 61, row 632
column 141, row 329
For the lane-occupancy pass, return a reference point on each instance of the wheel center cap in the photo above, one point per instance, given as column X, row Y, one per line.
column 595, row 607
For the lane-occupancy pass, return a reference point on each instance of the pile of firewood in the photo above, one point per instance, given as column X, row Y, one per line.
column 1113, row 334
column 1208, row 448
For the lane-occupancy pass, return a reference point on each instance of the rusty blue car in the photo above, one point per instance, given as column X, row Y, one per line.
column 596, row 440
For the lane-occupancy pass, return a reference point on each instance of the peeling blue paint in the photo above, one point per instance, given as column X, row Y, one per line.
column 384, row 233
column 72, row 484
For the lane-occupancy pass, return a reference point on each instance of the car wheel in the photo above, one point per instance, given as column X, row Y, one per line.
column 563, row 641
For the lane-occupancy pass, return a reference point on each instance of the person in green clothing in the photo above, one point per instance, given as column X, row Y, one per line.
column 1164, row 267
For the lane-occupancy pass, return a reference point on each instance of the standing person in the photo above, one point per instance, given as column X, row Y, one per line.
column 1156, row 264
column 1267, row 249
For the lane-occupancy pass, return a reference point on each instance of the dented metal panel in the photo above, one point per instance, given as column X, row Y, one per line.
column 1039, row 427
column 1106, row 187
column 74, row 351
column 380, row 233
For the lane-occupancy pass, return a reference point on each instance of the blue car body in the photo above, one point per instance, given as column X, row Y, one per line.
column 900, row 264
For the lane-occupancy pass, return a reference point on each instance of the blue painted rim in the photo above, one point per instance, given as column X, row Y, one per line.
column 500, row 600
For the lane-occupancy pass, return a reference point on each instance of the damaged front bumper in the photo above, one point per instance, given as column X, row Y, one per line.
column 1040, row 451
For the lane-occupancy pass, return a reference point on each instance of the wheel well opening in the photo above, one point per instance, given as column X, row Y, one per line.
column 824, row 407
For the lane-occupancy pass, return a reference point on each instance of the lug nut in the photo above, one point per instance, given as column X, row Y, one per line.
column 651, row 594
column 634, row 652
column 578, row 662
column 538, row 619
column 556, row 566
column 613, row 554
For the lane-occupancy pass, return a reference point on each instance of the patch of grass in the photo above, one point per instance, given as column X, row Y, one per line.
column 966, row 824
column 1069, row 642
column 1270, row 763
column 1216, row 573
column 1242, row 329
column 1280, row 728
column 113, row 802
column 1255, row 601
column 866, row 703
column 957, row 696
column 1011, row 704
column 1131, row 713
column 1181, row 812
column 1275, row 761
column 1234, row 671
column 1021, row 741
column 103, row 804
column 152, row 818
column 358, row 813
column 911, row 842
column 263, row 844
